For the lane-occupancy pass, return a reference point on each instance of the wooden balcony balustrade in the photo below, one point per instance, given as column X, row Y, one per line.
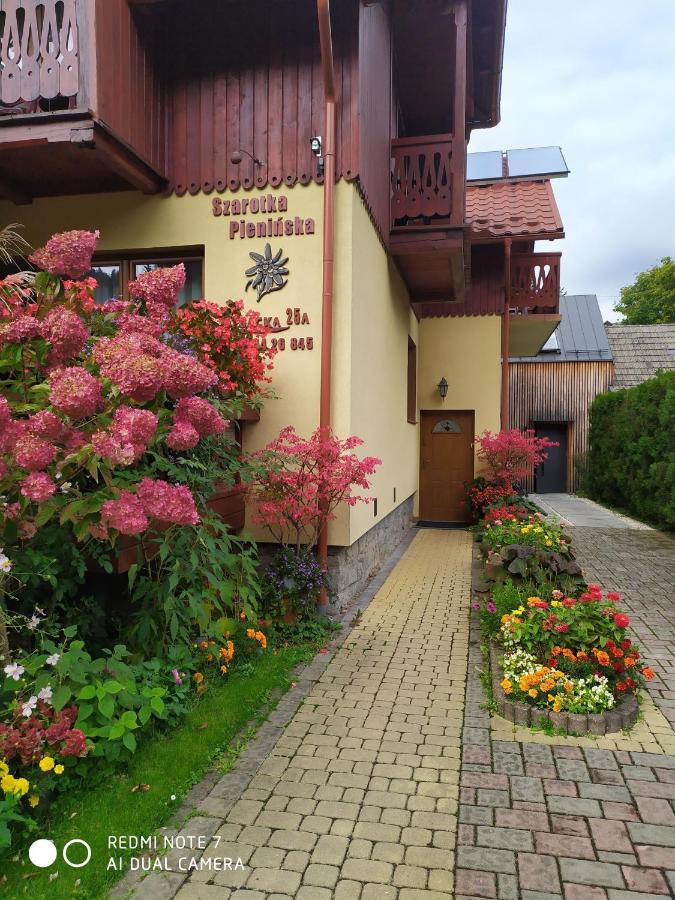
column 427, row 183
column 39, row 55
column 535, row 282
column 83, row 99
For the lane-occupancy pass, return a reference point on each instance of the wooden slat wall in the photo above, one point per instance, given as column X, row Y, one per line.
column 132, row 98
column 376, row 111
column 252, row 80
column 557, row 392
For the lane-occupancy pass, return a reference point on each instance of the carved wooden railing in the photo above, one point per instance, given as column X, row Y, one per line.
column 39, row 52
column 535, row 282
column 427, row 183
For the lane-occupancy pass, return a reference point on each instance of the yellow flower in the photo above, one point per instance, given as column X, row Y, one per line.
column 58, row 770
column 551, row 698
column 556, row 603
column 549, row 542
column 46, row 763
column 33, row 800
column 223, row 670
column 506, row 686
column 524, row 529
column 556, row 707
column 532, row 692
column 198, row 677
column 4, row 768
column 16, row 786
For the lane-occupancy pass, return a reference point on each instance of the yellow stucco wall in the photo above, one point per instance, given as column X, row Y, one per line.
column 372, row 321
column 382, row 320
column 467, row 352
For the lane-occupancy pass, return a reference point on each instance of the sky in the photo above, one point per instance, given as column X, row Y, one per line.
column 597, row 78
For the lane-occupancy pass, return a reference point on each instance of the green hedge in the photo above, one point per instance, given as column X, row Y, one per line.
column 632, row 449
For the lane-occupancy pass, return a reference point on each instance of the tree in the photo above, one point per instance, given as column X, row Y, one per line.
column 651, row 299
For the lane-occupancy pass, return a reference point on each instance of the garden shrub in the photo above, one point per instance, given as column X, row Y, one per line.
column 632, row 451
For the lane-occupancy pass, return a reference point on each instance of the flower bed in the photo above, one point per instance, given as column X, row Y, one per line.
column 560, row 653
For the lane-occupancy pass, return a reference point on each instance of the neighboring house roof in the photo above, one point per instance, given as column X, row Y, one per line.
column 513, row 209
column 580, row 336
column 640, row 351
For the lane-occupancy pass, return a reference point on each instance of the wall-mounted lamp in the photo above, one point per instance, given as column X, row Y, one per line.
column 442, row 388
column 316, row 146
column 238, row 155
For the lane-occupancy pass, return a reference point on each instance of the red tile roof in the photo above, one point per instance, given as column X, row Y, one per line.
column 513, row 209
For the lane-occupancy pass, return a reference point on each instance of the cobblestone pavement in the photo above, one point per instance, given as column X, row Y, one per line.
column 542, row 817
column 358, row 798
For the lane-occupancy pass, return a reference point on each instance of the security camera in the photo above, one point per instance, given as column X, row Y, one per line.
column 316, row 143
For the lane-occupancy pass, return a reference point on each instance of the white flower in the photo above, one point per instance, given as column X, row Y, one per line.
column 65, row 487
column 53, row 659
column 33, row 622
column 14, row 671
column 45, row 694
column 28, row 707
column 5, row 563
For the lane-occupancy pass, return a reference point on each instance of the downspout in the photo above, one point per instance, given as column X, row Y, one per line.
column 328, row 66
column 506, row 328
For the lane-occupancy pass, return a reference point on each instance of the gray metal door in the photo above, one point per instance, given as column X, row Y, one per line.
column 551, row 475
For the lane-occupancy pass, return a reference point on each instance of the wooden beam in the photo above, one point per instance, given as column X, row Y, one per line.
column 127, row 165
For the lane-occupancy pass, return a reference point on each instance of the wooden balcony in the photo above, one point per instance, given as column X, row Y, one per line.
column 534, row 300
column 427, row 215
column 73, row 117
column 535, row 282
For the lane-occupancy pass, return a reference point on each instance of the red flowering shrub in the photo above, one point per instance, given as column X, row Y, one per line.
column 227, row 339
column 511, row 455
column 307, row 480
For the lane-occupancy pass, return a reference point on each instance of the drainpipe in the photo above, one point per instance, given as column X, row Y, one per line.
column 328, row 66
column 506, row 327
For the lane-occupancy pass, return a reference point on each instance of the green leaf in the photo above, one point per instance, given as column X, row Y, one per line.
column 128, row 719
column 116, row 731
column 157, row 705
column 106, row 706
column 70, row 631
column 144, row 715
column 129, row 741
column 112, row 686
column 84, row 711
column 61, row 696
column 88, row 692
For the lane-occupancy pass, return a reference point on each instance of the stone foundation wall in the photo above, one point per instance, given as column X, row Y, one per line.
column 349, row 568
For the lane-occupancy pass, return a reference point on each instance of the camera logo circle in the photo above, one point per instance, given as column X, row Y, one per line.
column 43, row 853
column 77, row 865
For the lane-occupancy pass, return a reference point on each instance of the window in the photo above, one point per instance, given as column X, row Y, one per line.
column 446, row 426
column 412, row 381
column 114, row 271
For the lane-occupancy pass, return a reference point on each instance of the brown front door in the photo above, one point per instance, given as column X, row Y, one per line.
column 446, row 462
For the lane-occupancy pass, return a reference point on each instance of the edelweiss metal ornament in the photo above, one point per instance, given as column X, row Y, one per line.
column 267, row 274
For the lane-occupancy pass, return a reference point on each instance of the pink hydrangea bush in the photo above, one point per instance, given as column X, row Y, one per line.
column 88, row 391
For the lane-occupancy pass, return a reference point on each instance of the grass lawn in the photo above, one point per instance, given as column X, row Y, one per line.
column 169, row 762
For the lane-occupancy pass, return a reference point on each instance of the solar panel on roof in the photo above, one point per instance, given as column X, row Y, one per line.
column 536, row 161
column 484, row 166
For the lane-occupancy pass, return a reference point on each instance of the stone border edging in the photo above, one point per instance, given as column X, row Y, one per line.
column 622, row 717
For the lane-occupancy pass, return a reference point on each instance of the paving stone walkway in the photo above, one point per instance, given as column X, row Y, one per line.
column 391, row 781
column 542, row 816
column 357, row 800
column 584, row 512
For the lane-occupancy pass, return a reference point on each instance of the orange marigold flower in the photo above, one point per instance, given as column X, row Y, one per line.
column 506, row 686
column 648, row 673
column 210, row 657
column 223, row 670
column 204, row 645
column 556, row 707
column 569, row 687
column 532, row 692
column 198, row 677
column 629, row 662
column 242, row 615
column 602, row 657
column 250, row 633
column 551, row 698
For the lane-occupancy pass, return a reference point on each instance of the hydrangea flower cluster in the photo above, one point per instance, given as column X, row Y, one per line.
column 68, row 253
column 154, row 499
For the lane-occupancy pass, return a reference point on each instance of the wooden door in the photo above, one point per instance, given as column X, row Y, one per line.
column 446, row 463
